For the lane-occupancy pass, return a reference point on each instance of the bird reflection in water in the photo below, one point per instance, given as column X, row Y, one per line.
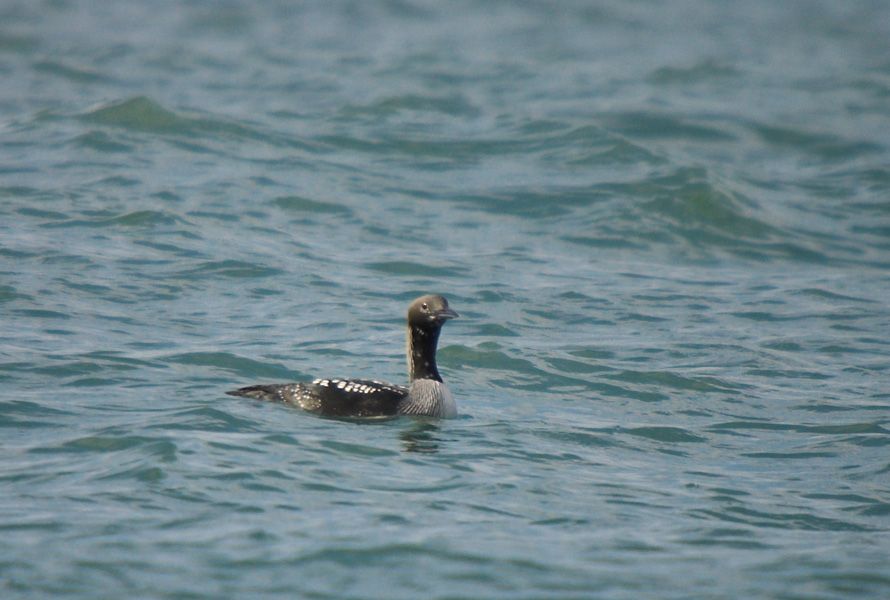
column 421, row 437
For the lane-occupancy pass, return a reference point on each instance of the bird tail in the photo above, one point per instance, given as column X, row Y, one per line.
column 260, row 392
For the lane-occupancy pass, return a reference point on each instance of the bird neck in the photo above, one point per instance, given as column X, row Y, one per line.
column 422, row 353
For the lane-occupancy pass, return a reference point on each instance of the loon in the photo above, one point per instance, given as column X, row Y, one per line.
column 425, row 394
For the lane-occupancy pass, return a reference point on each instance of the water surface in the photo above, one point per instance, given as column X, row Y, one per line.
column 666, row 228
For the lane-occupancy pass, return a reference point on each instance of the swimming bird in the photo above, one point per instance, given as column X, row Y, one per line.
column 425, row 395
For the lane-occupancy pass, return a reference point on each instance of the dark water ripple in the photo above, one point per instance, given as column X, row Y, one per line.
column 670, row 257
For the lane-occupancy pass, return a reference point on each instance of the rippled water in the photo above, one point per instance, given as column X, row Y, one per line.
column 666, row 228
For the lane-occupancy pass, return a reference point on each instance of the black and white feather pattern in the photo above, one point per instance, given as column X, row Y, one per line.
column 334, row 397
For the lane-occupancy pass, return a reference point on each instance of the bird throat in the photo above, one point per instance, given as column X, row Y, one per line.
column 421, row 351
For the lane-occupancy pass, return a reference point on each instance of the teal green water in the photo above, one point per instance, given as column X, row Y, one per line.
column 666, row 228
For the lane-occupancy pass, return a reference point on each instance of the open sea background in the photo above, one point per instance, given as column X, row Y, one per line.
column 666, row 227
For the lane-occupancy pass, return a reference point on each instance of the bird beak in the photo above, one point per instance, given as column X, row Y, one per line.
column 445, row 314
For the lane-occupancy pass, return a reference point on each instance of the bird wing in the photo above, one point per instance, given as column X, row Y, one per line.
column 334, row 397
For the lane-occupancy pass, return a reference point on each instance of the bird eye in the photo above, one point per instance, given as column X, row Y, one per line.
column 425, row 306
